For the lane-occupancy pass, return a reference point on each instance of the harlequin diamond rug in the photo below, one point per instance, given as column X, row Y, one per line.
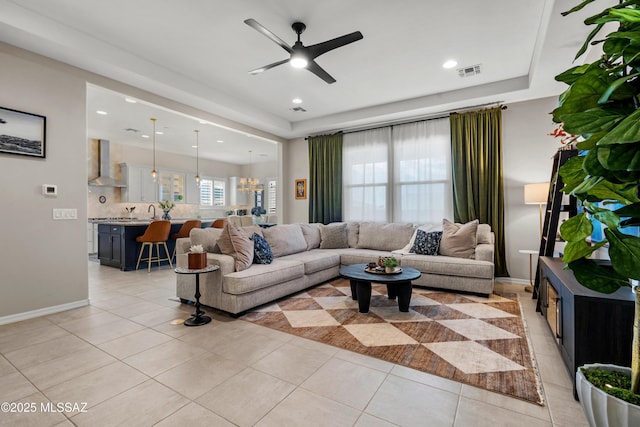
column 473, row 340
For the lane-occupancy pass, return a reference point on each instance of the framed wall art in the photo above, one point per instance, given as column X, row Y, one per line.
column 22, row 133
column 301, row 189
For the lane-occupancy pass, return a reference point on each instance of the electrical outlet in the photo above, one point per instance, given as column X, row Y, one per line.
column 62, row 214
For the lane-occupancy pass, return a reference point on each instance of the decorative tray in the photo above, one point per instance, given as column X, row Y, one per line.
column 397, row 270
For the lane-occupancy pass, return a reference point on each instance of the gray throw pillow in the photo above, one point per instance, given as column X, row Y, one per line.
column 459, row 240
column 285, row 239
column 333, row 236
column 426, row 243
column 311, row 234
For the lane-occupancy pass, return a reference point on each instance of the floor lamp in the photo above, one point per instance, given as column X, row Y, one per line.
column 535, row 194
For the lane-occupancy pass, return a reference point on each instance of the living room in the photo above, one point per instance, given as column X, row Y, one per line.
column 44, row 263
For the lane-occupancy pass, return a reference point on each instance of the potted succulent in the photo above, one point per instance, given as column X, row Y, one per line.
column 390, row 264
column 197, row 257
column 601, row 108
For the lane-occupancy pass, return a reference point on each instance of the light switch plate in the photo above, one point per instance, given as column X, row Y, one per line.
column 61, row 214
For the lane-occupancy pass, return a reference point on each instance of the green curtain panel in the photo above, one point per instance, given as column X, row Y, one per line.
column 476, row 155
column 325, row 178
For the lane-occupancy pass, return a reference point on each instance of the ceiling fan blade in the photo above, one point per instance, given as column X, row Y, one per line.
column 320, row 72
column 324, row 47
column 257, row 26
column 267, row 67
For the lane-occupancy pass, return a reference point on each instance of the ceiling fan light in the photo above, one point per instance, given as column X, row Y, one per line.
column 298, row 60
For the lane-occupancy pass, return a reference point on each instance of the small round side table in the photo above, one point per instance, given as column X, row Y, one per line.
column 198, row 317
column 531, row 254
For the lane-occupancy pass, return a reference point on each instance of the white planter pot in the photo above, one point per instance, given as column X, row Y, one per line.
column 602, row 409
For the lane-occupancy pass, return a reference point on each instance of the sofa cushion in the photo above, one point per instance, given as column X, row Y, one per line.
column 484, row 235
column 207, row 237
column 426, row 243
column 361, row 256
column 261, row 250
column 384, row 237
column 449, row 266
column 234, row 242
column 285, row 239
column 262, row 276
column 353, row 229
column 333, row 236
column 311, row 233
column 316, row 260
column 459, row 240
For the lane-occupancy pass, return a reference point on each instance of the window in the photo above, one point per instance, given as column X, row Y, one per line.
column 271, row 197
column 400, row 173
column 212, row 192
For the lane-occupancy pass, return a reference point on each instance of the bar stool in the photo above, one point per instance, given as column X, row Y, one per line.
column 219, row 223
column 184, row 232
column 157, row 233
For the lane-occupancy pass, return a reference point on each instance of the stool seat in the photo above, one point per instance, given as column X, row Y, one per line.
column 156, row 234
column 184, row 231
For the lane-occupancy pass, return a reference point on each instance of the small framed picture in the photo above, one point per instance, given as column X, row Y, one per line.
column 301, row 189
column 22, row 133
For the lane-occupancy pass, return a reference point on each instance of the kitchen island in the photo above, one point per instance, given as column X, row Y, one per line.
column 117, row 246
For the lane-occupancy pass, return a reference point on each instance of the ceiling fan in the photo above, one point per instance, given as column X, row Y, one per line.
column 303, row 56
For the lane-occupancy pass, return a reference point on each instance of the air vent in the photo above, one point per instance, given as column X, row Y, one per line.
column 299, row 110
column 132, row 130
column 469, row 71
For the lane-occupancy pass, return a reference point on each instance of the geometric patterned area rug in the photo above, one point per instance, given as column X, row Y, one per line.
column 474, row 340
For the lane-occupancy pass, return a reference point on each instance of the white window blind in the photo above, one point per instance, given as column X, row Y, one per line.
column 271, row 197
column 398, row 174
column 212, row 192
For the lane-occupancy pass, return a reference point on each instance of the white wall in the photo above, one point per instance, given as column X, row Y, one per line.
column 527, row 158
column 296, row 166
column 43, row 262
column 527, row 152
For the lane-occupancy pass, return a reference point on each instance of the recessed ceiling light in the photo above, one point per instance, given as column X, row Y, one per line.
column 102, row 113
column 296, row 101
column 159, row 132
column 144, row 136
column 131, row 100
column 449, row 64
column 194, row 146
column 220, row 141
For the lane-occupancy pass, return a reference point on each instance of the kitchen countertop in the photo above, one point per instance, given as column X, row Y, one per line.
column 140, row 221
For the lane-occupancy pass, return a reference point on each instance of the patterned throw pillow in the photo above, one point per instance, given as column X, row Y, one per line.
column 426, row 243
column 261, row 250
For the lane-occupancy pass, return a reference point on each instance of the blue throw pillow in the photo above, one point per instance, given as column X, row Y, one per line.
column 426, row 243
column 261, row 250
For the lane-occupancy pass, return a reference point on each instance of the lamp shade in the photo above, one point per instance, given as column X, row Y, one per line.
column 536, row 194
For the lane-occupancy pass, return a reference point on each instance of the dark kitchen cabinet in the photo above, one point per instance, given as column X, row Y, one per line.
column 110, row 242
column 588, row 326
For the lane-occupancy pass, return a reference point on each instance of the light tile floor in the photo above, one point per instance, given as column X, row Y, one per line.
column 132, row 366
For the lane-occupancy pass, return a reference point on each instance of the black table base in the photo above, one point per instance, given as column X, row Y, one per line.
column 361, row 291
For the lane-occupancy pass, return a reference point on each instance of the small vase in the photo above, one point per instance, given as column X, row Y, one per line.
column 166, row 215
column 388, row 270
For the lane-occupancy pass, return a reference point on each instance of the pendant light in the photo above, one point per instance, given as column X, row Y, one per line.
column 249, row 184
column 197, row 158
column 154, row 172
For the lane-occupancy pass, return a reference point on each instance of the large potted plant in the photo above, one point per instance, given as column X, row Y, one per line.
column 601, row 108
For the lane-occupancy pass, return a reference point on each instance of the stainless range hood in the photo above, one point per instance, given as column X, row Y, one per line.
column 104, row 178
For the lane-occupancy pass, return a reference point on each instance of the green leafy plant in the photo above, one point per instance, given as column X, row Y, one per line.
column 166, row 205
column 390, row 262
column 602, row 108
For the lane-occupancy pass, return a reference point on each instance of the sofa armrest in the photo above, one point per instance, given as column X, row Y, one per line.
column 183, row 244
column 484, row 252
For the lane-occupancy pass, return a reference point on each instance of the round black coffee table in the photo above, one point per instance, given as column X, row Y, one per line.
column 398, row 284
column 198, row 317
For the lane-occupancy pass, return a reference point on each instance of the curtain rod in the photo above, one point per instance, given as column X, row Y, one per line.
column 434, row 116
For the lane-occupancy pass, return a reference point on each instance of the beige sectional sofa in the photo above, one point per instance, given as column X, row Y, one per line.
column 308, row 254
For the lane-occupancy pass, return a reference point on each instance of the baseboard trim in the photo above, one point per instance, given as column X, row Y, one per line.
column 42, row 311
column 512, row 280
